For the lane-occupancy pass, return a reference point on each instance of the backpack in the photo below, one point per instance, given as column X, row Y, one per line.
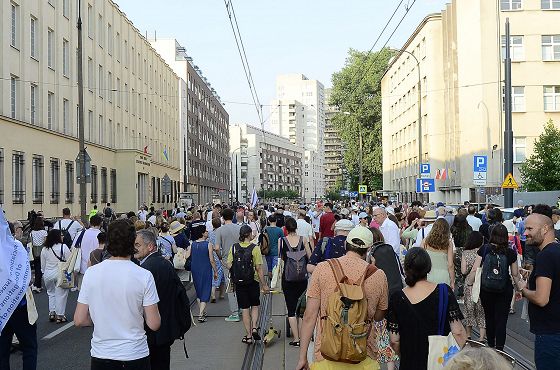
column 495, row 272
column 66, row 237
column 242, row 268
column 345, row 327
column 264, row 243
column 295, row 266
column 108, row 212
column 326, row 253
column 387, row 260
column 182, row 314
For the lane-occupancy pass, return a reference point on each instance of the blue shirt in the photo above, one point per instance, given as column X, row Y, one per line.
column 274, row 233
column 335, row 248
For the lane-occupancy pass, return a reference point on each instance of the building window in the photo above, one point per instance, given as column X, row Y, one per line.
column 94, row 184
column 519, row 149
column 103, row 185
column 518, row 98
column 55, row 181
column 33, row 34
column 551, row 98
column 101, row 130
column 69, row 182
column 13, row 96
column 33, row 103
column 50, row 110
column 550, row 47
column 517, row 51
column 91, row 78
column 109, row 39
column 65, row 116
column 14, row 25
column 550, row 4
column 66, row 8
column 118, row 42
column 118, row 92
column 91, row 130
column 1, row 176
column 113, row 186
column 100, row 73
column 50, row 48
column 153, row 189
column 18, row 178
column 109, row 87
column 510, row 4
column 65, row 58
column 37, row 179
column 100, row 30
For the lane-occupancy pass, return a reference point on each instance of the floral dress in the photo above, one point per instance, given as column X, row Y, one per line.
column 474, row 313
column 385, row 351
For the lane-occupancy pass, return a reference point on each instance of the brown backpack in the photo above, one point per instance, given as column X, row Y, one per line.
column 345, row 328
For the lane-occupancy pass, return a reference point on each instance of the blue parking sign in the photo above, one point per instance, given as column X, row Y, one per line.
column 480, row 163
column 425, row 170
column 425, row 186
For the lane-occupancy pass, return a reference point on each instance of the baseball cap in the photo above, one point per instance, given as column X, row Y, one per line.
column 518, row 213
column 360, row 237
column 362, row 215
column 440, row 204
column 345, row 225
column 344, row 211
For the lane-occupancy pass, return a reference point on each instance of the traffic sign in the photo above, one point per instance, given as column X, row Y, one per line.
column 362, row 189
column 425, row 186
column 480, row 170
column 509, row 182
column 425, row 170
column 353, row 194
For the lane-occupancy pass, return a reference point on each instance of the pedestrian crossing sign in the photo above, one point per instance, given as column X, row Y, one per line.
column 362, row 189
column 509, row 182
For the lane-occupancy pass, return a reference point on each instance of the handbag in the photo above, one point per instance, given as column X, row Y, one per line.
column 277, row 271
column 180, row 259
column 476, row 285
column 30, row 251
column 77, row 250
column 65, row 277
column 441, row 348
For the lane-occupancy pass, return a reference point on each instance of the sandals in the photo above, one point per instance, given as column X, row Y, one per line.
column 52, row 316
column 247, row 340
column 202, row 318
column 294, row 343
column 255, row 333
column 61, row 319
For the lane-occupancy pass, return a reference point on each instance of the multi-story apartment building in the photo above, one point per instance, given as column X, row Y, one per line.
column 460, row 53
column 298, row 113
column 334, row 149
column 130, row 110
column 263, row 160
column 204, row 133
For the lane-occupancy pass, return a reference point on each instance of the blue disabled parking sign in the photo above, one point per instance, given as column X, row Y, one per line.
column 425, row 186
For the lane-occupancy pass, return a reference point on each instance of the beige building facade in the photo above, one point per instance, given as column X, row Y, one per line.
column 459, row 52
column 263, row 161
column 131, row 113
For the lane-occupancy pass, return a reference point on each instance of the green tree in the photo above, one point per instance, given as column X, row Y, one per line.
column 357, row 91
column 541, row 171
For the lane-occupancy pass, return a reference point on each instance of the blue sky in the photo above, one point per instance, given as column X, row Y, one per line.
column 284, row 36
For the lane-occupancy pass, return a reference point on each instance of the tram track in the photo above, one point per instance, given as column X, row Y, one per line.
column 520, row 360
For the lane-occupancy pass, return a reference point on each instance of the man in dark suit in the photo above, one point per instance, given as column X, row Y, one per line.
column 167, row 283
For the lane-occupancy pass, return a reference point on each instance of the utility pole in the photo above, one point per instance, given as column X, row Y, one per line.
column 82, row 153
column 361, row 177
column 508, row 129
column 236, row 181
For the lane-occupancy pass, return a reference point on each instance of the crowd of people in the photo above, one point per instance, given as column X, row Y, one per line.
column 403, row 273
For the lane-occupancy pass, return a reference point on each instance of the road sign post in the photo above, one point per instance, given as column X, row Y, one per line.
column 362, row 189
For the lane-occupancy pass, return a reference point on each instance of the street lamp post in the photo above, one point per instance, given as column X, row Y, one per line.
column 419, row 107
column 360, row 155
column 236, row 176
column 81, row 138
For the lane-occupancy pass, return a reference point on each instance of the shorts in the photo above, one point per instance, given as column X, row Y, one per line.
column 271, row 262
column 248, row 295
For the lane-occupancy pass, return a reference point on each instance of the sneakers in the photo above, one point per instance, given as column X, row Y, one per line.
column 232, row 318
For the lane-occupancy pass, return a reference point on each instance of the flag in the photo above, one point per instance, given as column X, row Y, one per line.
column 15, row 272
column 146, row 149
column 438, row 174
column 254, row 198
column 443, row 173
column 165, row 154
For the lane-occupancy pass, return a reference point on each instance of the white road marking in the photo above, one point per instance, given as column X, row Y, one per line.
column 58, row 331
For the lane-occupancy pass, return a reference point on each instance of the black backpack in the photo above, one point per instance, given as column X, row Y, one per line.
column 264, row 243
column 495, row 271
column 66, row 237
column 182, row 314
column 108, row 212
column 387, row 260
column 242, row 268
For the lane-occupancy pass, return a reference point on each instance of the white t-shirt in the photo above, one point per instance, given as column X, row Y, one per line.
column 474, row 222
column 422, row 234
column 304, row 229
column 74, row 229
column 49, row 262
column 142, row 215
column 116, row 292
column 88, row 244
column 152, row 219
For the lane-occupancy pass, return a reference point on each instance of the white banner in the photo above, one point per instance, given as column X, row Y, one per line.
column 15, row 273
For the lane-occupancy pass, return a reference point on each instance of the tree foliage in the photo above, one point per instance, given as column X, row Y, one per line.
column 278, row 194
column 541, row 171
column 357, row 90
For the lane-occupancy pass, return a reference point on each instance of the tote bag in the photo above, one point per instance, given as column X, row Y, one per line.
column 441, row 348
column 476, row 285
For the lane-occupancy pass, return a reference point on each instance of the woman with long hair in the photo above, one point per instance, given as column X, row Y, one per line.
column 413, row 312
column 55, row 251
column 411, row 231
column 37, row 237
column 474, row 313
column 496, row 302
column 460, row 231
column 439, row 245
